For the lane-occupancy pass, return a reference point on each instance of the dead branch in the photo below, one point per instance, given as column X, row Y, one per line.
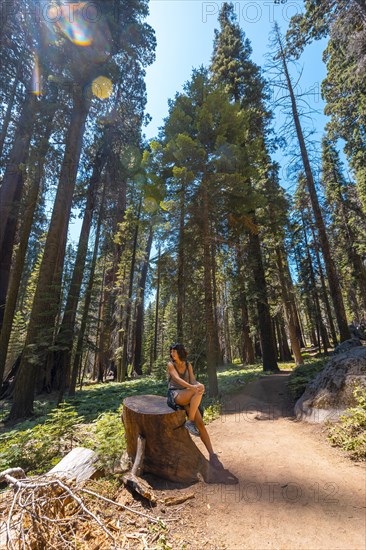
column 17, row 472
column 172, row 501
column 47, row 512
column 119, row 505
column 39, row 503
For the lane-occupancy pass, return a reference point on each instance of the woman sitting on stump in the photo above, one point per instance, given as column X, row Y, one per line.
column 185, row 391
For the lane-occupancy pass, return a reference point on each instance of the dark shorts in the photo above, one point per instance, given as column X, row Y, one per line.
column 172, row 394
column 175, row 393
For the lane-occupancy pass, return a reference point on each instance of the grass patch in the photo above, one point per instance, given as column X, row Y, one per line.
column 232, row 378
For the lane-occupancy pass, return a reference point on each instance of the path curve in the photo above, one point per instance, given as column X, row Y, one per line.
column 295, row 491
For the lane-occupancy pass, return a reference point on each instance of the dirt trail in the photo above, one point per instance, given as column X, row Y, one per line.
column 294, row 491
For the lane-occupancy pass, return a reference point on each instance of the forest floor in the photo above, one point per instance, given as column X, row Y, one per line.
column 295, row 491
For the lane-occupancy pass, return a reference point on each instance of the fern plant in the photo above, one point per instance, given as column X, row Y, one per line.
column 350, row 432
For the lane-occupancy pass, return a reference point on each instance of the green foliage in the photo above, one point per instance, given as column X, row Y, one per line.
column 350, row 432
column 97, row 399
column 62, row 422
column 159, row 370
column 344, row 86
column 109, row 439
column 213, row 410
column 38, row 448
column 302, row 375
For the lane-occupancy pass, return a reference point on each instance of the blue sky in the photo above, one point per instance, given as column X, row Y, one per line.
column 185, row 33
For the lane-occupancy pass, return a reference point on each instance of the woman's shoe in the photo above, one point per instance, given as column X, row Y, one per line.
column 191, row 427
column 215, row 462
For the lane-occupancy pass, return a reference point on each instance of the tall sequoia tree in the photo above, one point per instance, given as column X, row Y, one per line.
column 9, row 292
column 231, row 65
column 346, row 222
column 282, row 56
column 109, row 39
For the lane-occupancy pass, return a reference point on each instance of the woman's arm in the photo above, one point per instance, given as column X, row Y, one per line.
column 193, row 380
column 175, row 376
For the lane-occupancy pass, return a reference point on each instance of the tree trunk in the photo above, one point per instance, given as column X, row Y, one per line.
column 126, row 335
column 332, row 275
column 269, row 354
column 170, row 452
column 276, row 341
column 228, row 347
column 105, row 324
column 88, row 295
column 97, row 332
column 7, row 310
column 248, row 348
column 65, row 335
column 12, row 184
column 209, row 314
column 156, row 324
column 218, row 347
column 247, row 343
column 300, row 333
column 324, row 291
column 286, row 353
column 297, row 319
column 10, row 198
column 289, row 309
column 319, row 319
column 181, row 267
column 9, row 109
column 140, row 306
column 29, row 370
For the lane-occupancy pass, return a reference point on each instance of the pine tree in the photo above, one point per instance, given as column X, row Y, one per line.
column 344, row 22
column 337, row 191
column 91, row 58
column 332, row 274
column 232, row 66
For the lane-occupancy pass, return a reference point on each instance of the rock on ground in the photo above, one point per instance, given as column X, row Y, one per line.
column 331, row 392
column 347, row 345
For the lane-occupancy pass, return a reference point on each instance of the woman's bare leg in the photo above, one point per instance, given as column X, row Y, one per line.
column 203, row 432
column 191, row 398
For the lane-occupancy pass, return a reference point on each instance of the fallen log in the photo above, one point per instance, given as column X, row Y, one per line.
column 79, row 464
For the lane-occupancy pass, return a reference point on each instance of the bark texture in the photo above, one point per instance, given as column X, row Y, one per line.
column 170, row 452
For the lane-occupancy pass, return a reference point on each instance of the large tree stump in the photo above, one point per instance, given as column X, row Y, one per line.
column 170, row 452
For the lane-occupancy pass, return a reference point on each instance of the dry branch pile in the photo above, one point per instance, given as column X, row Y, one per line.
column 48, row 512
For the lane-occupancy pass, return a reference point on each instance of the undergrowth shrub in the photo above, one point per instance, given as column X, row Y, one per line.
column 39, row 448
column 350, row 432
column 213, row 409
column 109, row 439
column 302, row 375
column 159, row 370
